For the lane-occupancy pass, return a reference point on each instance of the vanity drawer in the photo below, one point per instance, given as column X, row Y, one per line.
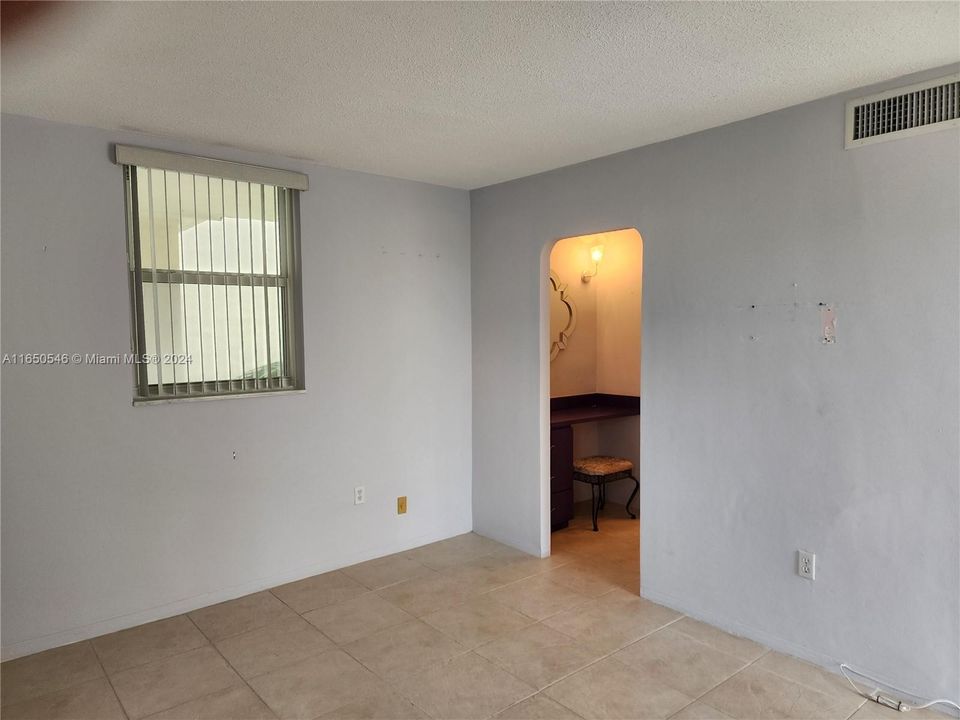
column 561, row 508
column 561, row 446
column 561, row 477
column 561, row 459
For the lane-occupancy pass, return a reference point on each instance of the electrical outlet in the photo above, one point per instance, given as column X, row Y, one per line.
column 401, row 505
column 359, row 495
column 806, row 564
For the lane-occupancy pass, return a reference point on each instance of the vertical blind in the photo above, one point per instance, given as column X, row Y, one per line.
column 212, row 266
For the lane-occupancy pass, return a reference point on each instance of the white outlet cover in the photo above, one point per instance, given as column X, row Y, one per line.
column 359, row 495
column 806, row 564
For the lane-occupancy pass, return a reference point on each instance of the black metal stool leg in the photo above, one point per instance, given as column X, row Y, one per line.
column 603, row 494
column 594, row 505
column 632, row 496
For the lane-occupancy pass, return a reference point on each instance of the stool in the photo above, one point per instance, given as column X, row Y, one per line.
column 597, row 471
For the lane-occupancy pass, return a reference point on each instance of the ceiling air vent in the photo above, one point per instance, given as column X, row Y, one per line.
column 912, row 110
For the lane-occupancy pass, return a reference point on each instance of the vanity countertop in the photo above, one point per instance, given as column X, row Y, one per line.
column 575, row 409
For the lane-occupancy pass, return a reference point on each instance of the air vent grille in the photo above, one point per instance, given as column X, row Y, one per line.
column 933, row 105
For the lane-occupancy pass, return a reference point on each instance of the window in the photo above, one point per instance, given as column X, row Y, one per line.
column 213, row 258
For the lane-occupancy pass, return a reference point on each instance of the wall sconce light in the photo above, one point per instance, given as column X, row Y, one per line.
column 596, row 254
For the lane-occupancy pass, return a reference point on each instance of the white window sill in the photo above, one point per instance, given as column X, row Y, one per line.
column 167, row 399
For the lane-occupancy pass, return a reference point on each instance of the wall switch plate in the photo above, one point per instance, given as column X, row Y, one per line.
column 806, row 564
column 401, row 505
column 359, row 495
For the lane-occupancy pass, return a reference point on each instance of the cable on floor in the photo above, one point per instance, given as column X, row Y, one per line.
column 887, row 701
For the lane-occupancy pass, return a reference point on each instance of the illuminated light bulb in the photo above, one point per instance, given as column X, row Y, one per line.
column 596, row 255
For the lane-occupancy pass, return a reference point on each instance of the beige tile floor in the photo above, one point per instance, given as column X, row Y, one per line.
column 464, row 628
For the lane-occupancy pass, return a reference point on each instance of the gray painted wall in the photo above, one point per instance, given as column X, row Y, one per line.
column 755, row 448
column 115, row 515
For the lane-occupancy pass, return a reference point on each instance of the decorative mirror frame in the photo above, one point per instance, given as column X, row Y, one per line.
column 560, row 343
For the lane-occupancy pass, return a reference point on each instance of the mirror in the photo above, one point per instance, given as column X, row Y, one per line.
column 563, row 316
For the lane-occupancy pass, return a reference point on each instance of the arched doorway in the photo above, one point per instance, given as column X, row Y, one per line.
column 592, row 319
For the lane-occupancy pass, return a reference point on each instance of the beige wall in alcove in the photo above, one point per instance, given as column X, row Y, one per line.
column 619, row 285
column 574, row 370
column 603, row 353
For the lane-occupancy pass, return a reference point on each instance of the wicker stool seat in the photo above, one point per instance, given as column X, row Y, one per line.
column 597, row 471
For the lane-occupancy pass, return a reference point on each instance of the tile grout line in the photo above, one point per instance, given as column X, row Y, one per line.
column 614, row 652
column 109, row 679
column 106, row 677
column 390, row 683
column 447, row 572
column 524, row 699
column 414, row 618
column 335, row 646
column 470, row 598
column 537, row 691
column 802, row 684
column 536, row 621
column 383, row 587
column 206, row 641
column 706, row 692
column 859, row 707
column 609, row 655
column 753, row 662
column 229, row 665
column 343, row 649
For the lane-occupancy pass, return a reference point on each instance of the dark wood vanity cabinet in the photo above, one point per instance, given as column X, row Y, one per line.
column 561, row 476
column 565, row 412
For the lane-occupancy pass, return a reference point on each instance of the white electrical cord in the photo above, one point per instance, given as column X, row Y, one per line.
column 886, row 700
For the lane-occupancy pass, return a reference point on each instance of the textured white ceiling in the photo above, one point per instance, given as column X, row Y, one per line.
column 461, row 94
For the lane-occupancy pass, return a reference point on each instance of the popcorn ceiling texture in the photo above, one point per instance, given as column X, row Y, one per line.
column 464, row 95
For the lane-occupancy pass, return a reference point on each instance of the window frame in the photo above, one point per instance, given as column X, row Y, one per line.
column 288, row 282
